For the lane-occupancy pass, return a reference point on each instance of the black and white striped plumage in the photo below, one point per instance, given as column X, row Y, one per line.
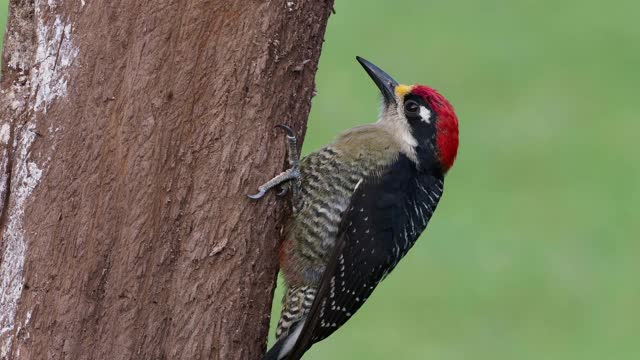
column 364, row 201
column 384, row 220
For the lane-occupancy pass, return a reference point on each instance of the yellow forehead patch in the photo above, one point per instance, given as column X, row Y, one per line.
column 402, row 90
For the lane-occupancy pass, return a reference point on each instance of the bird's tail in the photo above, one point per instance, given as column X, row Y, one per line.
column 295, row 306
column 281, row 349
column 274, row 352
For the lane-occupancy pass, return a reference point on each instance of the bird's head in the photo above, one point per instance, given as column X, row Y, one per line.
column 422, row 119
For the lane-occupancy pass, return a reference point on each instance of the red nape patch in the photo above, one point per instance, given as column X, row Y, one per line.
column 447, row 124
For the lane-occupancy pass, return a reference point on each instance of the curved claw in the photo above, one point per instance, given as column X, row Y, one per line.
column 258, row 195
column 286, row 128
column 283, row 191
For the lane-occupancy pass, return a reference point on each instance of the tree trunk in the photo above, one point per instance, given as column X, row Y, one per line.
column 131, row 133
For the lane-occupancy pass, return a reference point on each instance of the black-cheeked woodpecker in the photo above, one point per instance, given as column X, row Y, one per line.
column 359, row 204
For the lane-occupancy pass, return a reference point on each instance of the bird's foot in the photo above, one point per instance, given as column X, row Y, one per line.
column 292, row 146
column 292, row 173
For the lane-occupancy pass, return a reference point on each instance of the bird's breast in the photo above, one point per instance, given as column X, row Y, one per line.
column 328, row 180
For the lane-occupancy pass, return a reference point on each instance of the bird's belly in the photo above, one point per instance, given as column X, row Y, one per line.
column 327, row 184
column 311, row 239
column 312, row 231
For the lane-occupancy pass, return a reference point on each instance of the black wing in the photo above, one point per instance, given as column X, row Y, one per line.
column 386, row 216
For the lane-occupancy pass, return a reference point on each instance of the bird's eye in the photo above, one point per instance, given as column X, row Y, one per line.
column 411, row 108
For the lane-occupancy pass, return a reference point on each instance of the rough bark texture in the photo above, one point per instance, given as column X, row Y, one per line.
column 131, row 132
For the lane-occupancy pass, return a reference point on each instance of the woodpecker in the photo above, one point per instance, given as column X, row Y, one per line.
column 359, row 204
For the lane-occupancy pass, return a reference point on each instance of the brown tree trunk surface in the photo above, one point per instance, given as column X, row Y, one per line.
column 131, row 132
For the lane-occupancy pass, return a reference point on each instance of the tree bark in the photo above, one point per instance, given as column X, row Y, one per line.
column 131, row 132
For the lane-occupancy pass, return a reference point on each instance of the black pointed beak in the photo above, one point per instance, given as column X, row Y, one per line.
column 385, row 83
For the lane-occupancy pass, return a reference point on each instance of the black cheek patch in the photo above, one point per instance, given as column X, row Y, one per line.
column 424, row 132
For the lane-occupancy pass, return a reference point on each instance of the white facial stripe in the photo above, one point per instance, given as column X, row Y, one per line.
column 425, row 114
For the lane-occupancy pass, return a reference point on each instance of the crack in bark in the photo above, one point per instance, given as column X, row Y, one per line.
column 8, row 170
column 62, row 36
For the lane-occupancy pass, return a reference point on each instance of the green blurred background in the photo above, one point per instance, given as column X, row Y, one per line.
column 534, row 250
